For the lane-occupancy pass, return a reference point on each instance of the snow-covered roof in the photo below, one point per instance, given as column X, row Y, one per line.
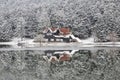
column 63, row 31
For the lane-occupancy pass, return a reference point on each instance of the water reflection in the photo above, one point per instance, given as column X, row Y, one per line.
column 102, row 64
column 5, row 46
column 59, row 55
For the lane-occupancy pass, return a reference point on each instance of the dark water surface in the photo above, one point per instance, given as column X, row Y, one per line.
column 5, row 46
column 95, row 64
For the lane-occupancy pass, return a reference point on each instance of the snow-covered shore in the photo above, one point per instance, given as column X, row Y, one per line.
column 84, row 43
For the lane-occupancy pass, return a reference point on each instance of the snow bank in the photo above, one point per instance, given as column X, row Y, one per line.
column 88, row 41
column 76, row 38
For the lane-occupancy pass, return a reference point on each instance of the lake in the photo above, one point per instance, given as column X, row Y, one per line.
column 97, row 63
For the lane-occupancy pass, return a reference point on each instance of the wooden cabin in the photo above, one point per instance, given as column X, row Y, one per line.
column 59, row 56
column 53, row 56
column 57, row 34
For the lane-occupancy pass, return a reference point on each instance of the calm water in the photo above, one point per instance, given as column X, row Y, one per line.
column 5, row 46
column 95, row 64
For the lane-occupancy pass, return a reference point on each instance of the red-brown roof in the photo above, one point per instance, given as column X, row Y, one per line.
column 64, row 31
column 65, row 57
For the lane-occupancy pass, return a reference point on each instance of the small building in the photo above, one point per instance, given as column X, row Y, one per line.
column 58, row 34
column 54, row 56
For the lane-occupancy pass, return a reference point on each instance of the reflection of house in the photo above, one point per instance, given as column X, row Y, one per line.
column 59, row 34
column 54, row 56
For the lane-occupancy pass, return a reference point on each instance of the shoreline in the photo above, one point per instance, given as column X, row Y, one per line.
column 57, row 44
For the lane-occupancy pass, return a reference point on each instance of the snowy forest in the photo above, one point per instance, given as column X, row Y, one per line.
column 86, row 18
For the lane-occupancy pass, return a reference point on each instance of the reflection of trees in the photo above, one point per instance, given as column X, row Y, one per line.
column 89, row 66
column 20, row 64
column 84, row 65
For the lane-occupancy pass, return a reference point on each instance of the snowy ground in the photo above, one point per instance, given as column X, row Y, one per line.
column 28, row 43
column 15, row 41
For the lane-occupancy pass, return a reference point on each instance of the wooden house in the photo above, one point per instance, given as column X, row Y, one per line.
column 53, row 56
column 57, row 34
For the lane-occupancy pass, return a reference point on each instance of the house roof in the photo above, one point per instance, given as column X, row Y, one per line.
column 64, row 57
column 63, row 31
